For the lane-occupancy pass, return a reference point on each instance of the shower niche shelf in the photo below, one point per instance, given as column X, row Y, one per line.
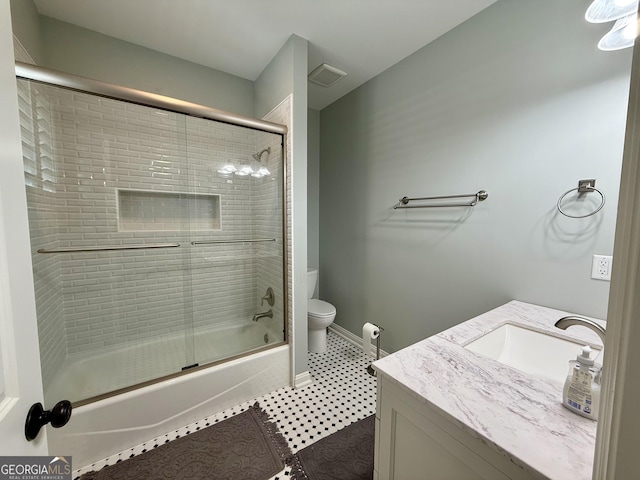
column 145, row 211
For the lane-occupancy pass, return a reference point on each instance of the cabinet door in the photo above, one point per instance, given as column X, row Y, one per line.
column 412, row 447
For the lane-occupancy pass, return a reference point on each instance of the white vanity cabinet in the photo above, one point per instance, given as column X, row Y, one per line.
column 447, row 413
column 415, row 442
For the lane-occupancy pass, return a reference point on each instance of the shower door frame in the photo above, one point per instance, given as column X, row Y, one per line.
column 147, row 99
column 140, row 97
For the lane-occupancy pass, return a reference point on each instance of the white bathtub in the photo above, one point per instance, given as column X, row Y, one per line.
column 103, row 428
column 86, row 375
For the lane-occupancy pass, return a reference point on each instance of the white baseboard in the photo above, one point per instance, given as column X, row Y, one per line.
column 352, row 338
column 303, row 380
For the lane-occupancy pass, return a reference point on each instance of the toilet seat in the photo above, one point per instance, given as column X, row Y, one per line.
column 319, row 308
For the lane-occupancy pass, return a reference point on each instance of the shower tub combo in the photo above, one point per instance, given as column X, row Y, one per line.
column 159, row 258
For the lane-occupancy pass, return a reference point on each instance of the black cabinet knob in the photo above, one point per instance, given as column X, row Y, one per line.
column 38, row 417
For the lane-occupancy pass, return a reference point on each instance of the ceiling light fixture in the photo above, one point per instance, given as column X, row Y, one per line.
column 622, row 35
column 601, row 11
column 245, row 170
column 227, row 170
column 248, row 168
column 624, row 31
column 262, row 172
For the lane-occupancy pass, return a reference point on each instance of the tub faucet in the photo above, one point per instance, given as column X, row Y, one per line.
column 258, row 316
column 571, row 320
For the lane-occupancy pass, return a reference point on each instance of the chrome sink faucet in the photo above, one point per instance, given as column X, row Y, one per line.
column 258, row 316
column 571, row 320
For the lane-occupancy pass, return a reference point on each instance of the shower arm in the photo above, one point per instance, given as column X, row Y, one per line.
column 258, row 156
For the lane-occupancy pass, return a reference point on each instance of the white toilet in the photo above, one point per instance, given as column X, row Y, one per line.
column 319, row 315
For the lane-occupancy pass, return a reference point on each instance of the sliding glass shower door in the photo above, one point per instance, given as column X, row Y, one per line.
column 152, row 250
column 235, row 265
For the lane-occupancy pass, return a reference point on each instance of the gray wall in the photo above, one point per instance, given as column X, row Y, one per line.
column 25, row 23
column 517, row 101
column 275, row 82
column 62, row 46
column 313, row 188
column 90, row 54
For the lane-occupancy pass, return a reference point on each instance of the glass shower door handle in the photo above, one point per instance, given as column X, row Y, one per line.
column 38, row 417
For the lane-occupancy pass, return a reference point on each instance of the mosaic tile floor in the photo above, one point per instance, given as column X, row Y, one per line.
column 342, row 393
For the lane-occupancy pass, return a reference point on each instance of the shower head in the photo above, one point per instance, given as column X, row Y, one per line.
column 258, row 155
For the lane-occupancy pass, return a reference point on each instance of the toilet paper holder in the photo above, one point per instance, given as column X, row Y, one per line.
column 370, row 369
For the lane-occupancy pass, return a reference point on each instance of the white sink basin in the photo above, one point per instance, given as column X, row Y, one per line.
column 529, row 351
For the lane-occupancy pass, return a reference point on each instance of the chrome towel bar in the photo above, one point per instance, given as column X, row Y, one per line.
column 246, row 240
column 104, row 249
column 477, row 197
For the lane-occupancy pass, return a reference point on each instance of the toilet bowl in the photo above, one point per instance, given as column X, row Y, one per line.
column 320, row 315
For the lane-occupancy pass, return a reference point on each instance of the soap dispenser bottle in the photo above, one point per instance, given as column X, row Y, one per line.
column 581, row 392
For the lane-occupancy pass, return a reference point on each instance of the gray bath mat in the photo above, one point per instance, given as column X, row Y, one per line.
column 344, row 455
column 246, row 446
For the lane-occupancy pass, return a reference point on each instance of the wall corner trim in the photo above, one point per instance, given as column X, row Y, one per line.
column 302, row 380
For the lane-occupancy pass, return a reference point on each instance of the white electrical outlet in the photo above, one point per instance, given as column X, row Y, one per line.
column 601, row 267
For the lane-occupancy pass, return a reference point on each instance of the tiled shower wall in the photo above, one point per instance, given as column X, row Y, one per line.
column 114, row 298
column 37, row 147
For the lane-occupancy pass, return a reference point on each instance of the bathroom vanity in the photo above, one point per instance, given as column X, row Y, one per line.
column 446, row 411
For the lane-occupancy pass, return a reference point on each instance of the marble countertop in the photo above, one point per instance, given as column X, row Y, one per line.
column 517, row 414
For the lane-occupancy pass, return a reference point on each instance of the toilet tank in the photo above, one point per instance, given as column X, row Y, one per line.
column 312, row 279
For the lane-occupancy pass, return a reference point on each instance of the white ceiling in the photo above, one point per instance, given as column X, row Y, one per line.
column 361, row 37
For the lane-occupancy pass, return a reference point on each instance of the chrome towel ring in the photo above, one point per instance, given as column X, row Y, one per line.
column 584, row 186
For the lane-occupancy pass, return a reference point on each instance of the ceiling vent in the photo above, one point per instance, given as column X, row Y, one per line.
column 326, row 75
